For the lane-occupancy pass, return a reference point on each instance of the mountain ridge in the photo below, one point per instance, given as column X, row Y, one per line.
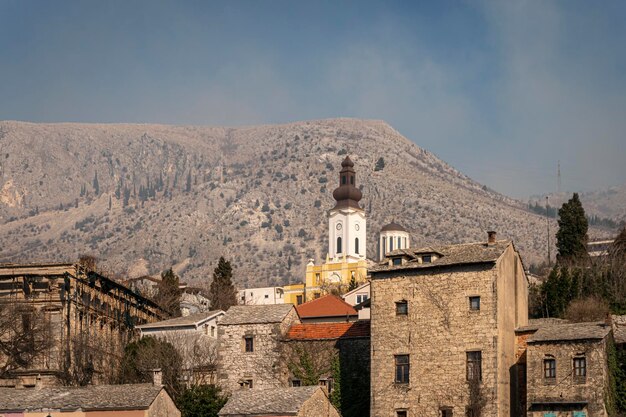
column 144, row 197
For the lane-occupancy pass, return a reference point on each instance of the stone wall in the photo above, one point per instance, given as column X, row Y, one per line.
column 318, row 406
column 565, row 388
column 263, row 366
column 438, row 332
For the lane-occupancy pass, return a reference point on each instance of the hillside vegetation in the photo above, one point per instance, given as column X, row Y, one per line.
column 143, row 198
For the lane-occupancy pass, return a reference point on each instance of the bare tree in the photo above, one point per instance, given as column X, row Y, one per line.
column 198, row 353
column 24, row 336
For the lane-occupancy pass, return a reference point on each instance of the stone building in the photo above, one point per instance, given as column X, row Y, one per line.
column 319, row 353
column 249, row 346
column 443, row 323
column 309, row 401
column 86, row 318
column 129, row 400
column 567, row 370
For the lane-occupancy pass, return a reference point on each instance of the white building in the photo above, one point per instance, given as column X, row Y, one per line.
column 263, row 295
column 392, row 237
column 358, row 298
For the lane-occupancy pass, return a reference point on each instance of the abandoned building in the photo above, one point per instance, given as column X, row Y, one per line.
column 81, row 320
column 249, row 346
column 443, row 323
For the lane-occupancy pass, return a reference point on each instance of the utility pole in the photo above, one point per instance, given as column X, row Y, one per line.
column 548, row 226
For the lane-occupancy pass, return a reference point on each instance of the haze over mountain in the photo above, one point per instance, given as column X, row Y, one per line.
column 143, row 198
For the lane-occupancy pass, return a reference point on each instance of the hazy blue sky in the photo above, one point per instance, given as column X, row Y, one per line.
column 500, row 90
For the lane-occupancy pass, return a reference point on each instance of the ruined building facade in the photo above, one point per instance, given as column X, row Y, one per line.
column 85, row 318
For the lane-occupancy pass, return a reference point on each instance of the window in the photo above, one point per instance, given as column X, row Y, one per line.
column 580, row 370
column 549, row 369
column 360, row 298
column 474, row 365
column 402, row 308
column 401, row 413
column 317, row 295
column 427, row 259
column 267, row 296
column 351, row 180
column 356, row 245
column 248, row 383
column 343, row 179
column 339, row 245
column 317, row 278
column 390, row 244
column 212, row 331
column 298, row 299
column 384, row 246
column 402, row 369
column 399, row 243
column 295, row 383
column 474, row 303
column 397, row 261
column 445, row 411
column 249, row 343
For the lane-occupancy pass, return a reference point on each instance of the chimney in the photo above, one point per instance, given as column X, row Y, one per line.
column 491, row 237
column 157, row 377
column 608, row 320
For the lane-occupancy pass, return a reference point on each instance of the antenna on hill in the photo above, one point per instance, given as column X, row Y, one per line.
column 548, row 225
column 558, row 174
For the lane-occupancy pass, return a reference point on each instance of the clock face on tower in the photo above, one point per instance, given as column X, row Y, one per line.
column 356, row 227
column 338, row 226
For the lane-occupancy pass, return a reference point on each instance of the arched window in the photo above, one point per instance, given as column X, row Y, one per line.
column 390, row 244
column 343, row 179
column 399, row 243
column 356, row 245
column 384, row 251
column 339, row 245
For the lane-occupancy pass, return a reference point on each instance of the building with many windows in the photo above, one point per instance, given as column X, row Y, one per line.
column 443, row 322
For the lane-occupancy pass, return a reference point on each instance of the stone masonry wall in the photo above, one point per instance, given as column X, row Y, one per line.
column 437, row 332
column 565, row 388
column 318, row 406
column 263, row 366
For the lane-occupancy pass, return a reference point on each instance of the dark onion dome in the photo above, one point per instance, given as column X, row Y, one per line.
column 347, row 195
column 393, row 227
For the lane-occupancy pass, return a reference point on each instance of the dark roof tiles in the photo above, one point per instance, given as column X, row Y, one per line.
column 449, row 255
column 270, row 402
column 570, row 332
column 94, row 397
column 256, row 314
column 189, row 320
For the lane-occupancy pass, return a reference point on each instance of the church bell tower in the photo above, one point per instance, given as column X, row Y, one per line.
column 346, row 223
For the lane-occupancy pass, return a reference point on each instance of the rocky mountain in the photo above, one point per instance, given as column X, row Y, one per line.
column 609, row 203
column 143, row 198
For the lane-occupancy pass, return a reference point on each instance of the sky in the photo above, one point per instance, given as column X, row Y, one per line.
column 501, row 90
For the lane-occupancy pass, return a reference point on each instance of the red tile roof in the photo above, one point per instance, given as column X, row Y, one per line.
column 319, row 331
column 327, row 306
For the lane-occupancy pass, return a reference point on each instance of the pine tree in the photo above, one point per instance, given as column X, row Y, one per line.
column 96, row 185
column 571, row 239
column 352, row 285
column 380, row 164
column 222, row 292
column 168, row 293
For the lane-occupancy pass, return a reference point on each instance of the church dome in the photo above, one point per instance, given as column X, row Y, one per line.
column 393, row 227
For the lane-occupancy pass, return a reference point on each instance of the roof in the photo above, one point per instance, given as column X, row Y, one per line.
column 190, row 320
column 357, row 289
column 393, row 227
column 460, row 254
column 323, row 331
column 270, row 402
column 535, row 324
column 256, row 314
column 570, row 332
column 93, row 397
column 326, row 306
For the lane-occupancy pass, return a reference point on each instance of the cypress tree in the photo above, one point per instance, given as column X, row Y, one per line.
column 571, row 239
column 222, row 292
column 168, row 293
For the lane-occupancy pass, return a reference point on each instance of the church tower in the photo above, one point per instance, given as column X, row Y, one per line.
column 346, row 222
column 346, row 258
